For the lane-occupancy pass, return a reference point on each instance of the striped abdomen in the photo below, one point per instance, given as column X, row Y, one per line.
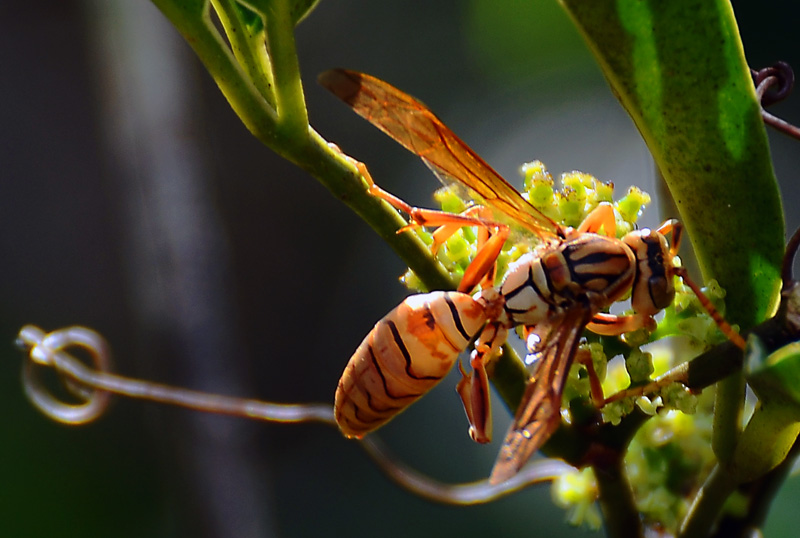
column 407, row 352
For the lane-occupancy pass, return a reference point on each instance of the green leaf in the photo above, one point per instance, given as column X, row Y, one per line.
column 775, row 377
column 775, row 424
column 250, row 19
column 678, row 68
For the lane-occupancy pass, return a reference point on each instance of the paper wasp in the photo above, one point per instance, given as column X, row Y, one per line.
column 561, row 287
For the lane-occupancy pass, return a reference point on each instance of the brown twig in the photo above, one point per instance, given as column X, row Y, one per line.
column 774, row 84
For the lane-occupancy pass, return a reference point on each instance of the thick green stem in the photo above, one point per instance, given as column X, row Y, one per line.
column 335, row 173
column 728, row 410
column 191, row 18
column 291, row 104
column 248, row 45
column 708, row 504
column 616, row 500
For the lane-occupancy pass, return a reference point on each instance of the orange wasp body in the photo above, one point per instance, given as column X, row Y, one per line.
column 556, row 291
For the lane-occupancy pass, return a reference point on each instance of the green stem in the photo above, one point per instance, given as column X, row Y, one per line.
column 248, row 46
column 191, row 18
column 616, row 500
column 509, row 378
column 728, row 411
column 291, row 104
column 708, row 504
column 336, row 174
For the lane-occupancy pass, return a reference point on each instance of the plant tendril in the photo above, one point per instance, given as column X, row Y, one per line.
column 774, row 84
column 93, row 385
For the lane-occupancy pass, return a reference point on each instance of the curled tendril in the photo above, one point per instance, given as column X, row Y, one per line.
column 777, row 82
column 94, row 385
column 774, row 84
column 47, row 350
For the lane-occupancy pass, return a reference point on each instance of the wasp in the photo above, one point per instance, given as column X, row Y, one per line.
column 561, row 287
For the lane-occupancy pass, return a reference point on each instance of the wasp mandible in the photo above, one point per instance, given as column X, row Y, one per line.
column 554, row 292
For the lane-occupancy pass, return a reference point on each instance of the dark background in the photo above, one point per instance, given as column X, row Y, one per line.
column 134, row 202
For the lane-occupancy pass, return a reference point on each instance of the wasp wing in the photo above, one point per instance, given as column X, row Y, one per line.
column 418, row 130
column 539, row 414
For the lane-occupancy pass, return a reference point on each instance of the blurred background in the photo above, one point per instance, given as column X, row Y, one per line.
column 134, row 202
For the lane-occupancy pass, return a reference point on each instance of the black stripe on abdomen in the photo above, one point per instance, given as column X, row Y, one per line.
column 457, row 318
column 398, row 340
column 383, row 378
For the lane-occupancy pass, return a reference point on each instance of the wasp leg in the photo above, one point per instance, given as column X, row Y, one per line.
column 474, row 388
column 584, row 356
column 491, row 238
column 482, row 267
column 603, row 217
column 613, row 325
column 419, row 216
column 674, row 226
column 478, row 214
column 491, row 235
column 723, row 325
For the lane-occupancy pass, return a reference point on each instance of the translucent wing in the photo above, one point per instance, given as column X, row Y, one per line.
column 417, row 129
column 539, row 414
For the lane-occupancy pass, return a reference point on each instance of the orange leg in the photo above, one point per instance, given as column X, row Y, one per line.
column 584, row 356
column 419, row 216
column 492, row 235
column 674, row 226
column 478, row 214
column 613, row 325
column 474, row 388
column 482, row 268
column 601, row 216
column 723, row 325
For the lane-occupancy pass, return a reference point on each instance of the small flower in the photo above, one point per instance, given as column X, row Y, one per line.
column 630, row 207
column 639, row 365
column 614, row 411
column 448, row 199
column 678, row 397
column 576, row 492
